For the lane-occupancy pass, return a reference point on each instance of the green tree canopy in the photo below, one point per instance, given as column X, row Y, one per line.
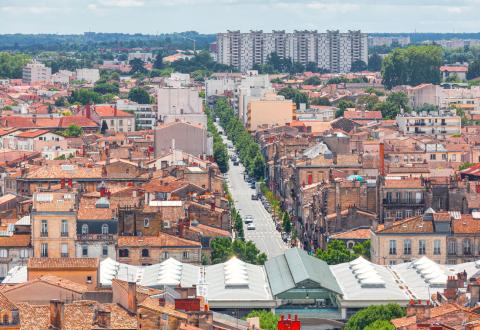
column 366, row 317
column 84, row 96
column 268, row 320
column 358, row 66
column 106, row 88
column 412, row 65
column 343, row 105
column 313, row 80
column 473, row 70
column 295, row 95
column 337, row 252
column 137, row 66
column 11, row 64
column 375, row 62
column 380, row 325
column 286, row 223
column 139, row 95
column 73, row 131
column 223, row 248
column 158, row 63
column 393, row 105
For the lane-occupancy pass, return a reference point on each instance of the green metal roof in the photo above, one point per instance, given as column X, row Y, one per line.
column 295, row 266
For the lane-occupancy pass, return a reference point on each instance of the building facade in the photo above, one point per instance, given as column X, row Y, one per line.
column 333, row 51
column 35, row 72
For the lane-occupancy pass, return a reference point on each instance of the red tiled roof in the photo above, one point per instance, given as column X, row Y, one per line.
column 55, row 123
column 404, row 183
column 62, row 263
column 162, row 240
column 362, row 115
column 33, row 133
column 458, row 68
column 108, row 111
column 15, row 241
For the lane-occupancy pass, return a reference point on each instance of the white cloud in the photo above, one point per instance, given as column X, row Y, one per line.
column 122, row 3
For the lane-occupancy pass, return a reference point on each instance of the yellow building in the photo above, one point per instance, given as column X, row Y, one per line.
column 54, row 223
column 271, row 110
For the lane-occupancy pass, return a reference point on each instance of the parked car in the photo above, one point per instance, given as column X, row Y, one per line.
column 250, row 226
column 252, row 185
column 254, row 197
column 236, row 163
column 248, row 219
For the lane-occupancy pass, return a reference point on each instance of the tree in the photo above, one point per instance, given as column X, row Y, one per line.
column 11, row 64
column 335, row 253
column 295, row 95
column 413, row 65
column 158, row 63
column 268, row 320
column 84, row 96
column 362, row 249
column 394, row 104
column 473, row 70
column 286, row 223
column 371, row 314
column 358, row 66
column 312, row 67
column 223, row 248
column 60, row 102
column 342, row 106
column 139, row 95
column 73, row 131
column 367, row 102
column 137, row 66
column 106, row 88
column 464, row 166
column 380, row 325
column 220, row 154
column 320, row 101
column 258, row 167
column 314, row 80
column 375, row 63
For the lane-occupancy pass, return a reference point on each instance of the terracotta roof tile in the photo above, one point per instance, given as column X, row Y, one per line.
column 62, row 263
column 15, row 241
column 411, row 225
column 403, row 184
column 359, row 233
column 162, row 240
column 32, row 133
column 108, row 111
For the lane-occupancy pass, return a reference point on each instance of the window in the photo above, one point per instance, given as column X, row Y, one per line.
column 85, row 250
column 84, row 229
column 44, row 229
column 105, row 250
column 185, row 255
column 399, row 215
column 64, row 228
column 433, row 157
column 24, row 253
column 407, row 246
column 165, row 255
column 444, row 156
column 146, row 222
column 89, row 279
column 3, row 253
column 123, row 253
column 422, row 246
column 5, row 319
column 398, row 196
column 452, row 247
column 145, row 253
column 392, row 262
column 120, row 122
column 419, row 212
column 436, row 247
column 389, row 196
column 64, row 250
column 44, row 250
column 454, row 157
column 467, row 248
column 408, row 213
column 393, row 247
column 105, row 229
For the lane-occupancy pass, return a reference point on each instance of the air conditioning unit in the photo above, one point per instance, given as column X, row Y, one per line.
column 166, row 224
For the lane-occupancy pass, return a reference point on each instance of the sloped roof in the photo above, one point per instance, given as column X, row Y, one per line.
column 295, row 266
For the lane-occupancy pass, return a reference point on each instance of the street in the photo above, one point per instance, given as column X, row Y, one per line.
column 265, row 236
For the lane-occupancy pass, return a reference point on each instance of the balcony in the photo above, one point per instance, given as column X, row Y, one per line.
column 96, row 237
column 44, row 234
column 403, row 202
column 64, row 234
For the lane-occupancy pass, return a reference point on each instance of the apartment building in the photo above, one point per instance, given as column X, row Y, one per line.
column 54, row 221
column 333, row 51
column 435, row 123
column 145, row 114
column 36, row 72
column 271, row 110
column 144, row 56
column 180, row 104
column 88, row 75
column 388, row 41
column 114, row 119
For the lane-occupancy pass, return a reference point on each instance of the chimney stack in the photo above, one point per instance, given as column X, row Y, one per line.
column 56, row 314
column 87, row 110
column 381, row 156
column 132, row 297
column 115, row 110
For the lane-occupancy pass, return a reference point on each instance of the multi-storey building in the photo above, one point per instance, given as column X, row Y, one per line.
column 332, row 51
column 35, row 72
column 89, row 75
column 439, row 124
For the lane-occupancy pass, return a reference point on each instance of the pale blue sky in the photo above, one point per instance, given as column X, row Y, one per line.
column 210, row 16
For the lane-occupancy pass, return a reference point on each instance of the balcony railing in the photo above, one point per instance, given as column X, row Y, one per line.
column 96, row 237
column 64, row 234
column 44, row 234
column 402, row 201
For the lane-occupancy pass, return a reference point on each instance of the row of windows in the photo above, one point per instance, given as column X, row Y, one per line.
column 64, row 250
column 24, row 253
column 64, row 228
column 402, row 214
column 125, row 253
column 407, row 247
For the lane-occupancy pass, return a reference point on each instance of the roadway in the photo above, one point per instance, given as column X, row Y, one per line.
column 265, row 236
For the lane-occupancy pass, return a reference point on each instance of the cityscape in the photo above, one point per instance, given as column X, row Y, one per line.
column 254, row 176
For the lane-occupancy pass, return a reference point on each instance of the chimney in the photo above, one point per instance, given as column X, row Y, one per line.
column 115, row 110
column 56, row 314
column 421, row 311
column 87, row 111
column 62, row 183
column 381, row 157
column 103, row 319
column 132, row 297
column 70, row 183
